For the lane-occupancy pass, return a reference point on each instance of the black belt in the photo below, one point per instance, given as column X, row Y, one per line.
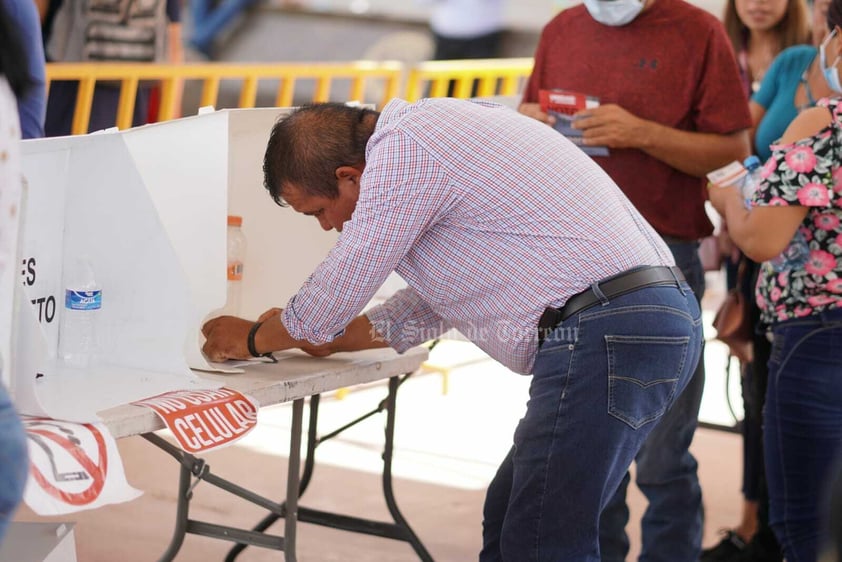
column 612, row 287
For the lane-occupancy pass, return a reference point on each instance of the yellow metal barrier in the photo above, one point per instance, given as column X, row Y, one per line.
column 503, row 77
column 432, row 78
column 172, row 77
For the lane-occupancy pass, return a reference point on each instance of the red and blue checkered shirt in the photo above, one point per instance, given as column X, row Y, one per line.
column 488, row 215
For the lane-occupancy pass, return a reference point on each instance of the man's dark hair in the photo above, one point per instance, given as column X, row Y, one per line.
column 306, row 147
column 834, row 16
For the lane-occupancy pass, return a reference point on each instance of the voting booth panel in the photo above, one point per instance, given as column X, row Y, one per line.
column 283, row 247
column 148, row 208
column 86, row 199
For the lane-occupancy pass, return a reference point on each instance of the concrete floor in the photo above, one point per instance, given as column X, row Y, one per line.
column 446, row 455
column 448, row 447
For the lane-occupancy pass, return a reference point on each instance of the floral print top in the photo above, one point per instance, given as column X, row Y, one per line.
column 807, row 173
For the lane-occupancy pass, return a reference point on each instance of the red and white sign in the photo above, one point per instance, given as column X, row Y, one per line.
column 73, row 467
column 202, row 420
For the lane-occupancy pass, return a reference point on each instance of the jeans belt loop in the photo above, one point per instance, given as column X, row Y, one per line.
column 607, row 289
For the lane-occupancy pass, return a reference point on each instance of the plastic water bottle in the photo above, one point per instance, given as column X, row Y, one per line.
column 236, row 257
column 795, row 255
column 82, row 304
column 751, row 181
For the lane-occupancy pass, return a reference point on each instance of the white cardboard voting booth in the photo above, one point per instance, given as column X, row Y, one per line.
column 39, row 542
column 148, row 207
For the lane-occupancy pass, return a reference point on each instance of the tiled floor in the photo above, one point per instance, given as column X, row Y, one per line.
column 448, row 447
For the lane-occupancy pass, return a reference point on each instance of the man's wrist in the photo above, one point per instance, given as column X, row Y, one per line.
column 648, row 132
column 252, row 346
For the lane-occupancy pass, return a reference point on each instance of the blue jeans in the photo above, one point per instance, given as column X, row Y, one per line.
column 14, row 460
column 600, row 383
column 210, row 18
column 803, row 428
column 666, row 470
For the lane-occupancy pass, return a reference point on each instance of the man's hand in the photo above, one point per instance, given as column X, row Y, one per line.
column 612, row 126
column 534, row 110
column 271, row 313
column 227, row 338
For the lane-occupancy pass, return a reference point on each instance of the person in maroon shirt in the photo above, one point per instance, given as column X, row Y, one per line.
column 672, row 108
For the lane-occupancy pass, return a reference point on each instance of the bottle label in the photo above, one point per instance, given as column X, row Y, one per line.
column 82, row 300
column 235, row 271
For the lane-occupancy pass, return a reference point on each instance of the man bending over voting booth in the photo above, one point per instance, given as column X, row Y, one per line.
column 508, row 232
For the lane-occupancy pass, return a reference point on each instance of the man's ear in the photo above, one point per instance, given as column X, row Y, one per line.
column 348, row 179
column 349, row 173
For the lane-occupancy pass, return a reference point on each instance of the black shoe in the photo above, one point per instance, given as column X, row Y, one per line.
column 728, row 548
column 760, row 550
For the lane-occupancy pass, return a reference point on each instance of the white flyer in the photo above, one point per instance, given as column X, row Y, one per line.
column 73, row 467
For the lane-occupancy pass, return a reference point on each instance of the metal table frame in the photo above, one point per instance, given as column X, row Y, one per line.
column 195, row 470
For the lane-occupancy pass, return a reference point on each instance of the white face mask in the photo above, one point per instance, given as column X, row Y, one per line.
column 614, row 12
column 831, row 73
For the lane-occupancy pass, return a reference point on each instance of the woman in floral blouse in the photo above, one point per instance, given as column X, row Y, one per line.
column 797, row 211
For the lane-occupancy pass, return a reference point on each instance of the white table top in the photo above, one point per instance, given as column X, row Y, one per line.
column 296, row 375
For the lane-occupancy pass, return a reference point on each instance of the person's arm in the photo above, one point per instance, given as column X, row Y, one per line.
column 227, row 338
column 391, row 214
column 175, row 48
column 358, row 335
column 403, row 321
column 757, row 113
column 43, row 6
column 690, row 152
column 764, row 232
column 32, row 104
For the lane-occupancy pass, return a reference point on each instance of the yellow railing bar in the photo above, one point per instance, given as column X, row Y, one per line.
column 84, row 101
column 511, row 86
column 248, row 95
column 357, row 89
column 324, row 73
column 433, row 77
column 125, row 107
column 322, row 92
column 285, row 92
column 170, row 88
column 210, row 91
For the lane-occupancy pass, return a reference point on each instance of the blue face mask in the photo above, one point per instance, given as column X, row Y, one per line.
column 831, row 73
column 614, row 12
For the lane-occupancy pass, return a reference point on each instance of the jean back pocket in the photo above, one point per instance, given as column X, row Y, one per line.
column 643, row 375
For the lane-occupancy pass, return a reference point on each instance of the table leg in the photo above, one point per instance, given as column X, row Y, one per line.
column 291, row 517
column 181, row 515
column 306, row 475
column 388, row 492
column 398, row 529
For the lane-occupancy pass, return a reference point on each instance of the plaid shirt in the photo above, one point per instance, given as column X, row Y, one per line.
column 488, row 215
